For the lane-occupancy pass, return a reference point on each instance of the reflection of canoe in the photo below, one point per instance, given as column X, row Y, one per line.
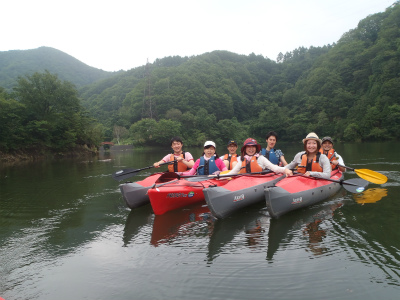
column 180, row 193
column 135, row 193
column 283, row 230
column 253, row 222
column 295, row 192
column 137, row 219
column 240, row 192
column 169, row 226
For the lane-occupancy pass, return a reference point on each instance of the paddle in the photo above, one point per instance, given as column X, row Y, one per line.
column 172, row 175
column 231, row 175
column 354, row 185
column 127, row 173
column 369, row 175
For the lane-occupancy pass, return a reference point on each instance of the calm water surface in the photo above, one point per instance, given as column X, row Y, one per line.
column 65, row 233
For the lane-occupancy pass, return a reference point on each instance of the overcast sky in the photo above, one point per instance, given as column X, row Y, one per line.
column 124, row 34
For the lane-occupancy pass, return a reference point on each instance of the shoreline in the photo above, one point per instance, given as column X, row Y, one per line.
column 31, row 155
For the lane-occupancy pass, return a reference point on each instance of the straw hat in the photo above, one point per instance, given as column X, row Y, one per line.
column 312, row 136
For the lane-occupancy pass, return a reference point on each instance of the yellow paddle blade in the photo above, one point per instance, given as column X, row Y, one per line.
column 370, row 196
column 224, row 172
column 371, row 176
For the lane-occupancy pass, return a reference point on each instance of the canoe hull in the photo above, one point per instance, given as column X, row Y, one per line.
column 240, row 192
column 179, row 194
column 135, row 193
column 299, row 191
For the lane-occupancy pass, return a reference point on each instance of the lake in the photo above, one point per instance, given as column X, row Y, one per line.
column 66, row 233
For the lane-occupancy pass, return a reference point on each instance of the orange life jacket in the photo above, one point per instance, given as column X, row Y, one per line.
column 177, row 166
column 250, row 167
column 313, row 166
column 230, row 159
column 331, row 156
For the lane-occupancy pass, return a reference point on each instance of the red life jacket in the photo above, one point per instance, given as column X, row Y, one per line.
column 178, row 166
column 230, row 159
column 313, row 166
column 250, row 167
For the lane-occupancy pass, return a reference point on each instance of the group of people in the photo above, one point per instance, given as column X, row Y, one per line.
column 318, row 158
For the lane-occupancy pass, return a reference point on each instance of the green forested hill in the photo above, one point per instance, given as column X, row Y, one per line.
column 349, row 90
column 16, row 63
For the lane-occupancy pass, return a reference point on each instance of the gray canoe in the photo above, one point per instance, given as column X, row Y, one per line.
column 135, row 193
column 241, row 191
column 299, row 191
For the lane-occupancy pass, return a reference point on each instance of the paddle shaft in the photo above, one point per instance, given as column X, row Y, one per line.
column 226, row 175
column 127, row 173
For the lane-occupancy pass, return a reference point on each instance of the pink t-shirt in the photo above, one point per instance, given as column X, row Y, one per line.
column 188, row 157
column 220, row 165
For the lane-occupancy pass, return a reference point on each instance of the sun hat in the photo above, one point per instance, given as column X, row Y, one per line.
column 209, row 143
column 251, row 142
column 327, row 138
column 312, row 136
column 232, row 142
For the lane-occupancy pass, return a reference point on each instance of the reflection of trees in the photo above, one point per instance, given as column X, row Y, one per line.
column 367, row 237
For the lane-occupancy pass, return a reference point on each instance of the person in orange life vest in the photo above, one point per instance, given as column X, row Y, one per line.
column 183, row 160
column 334, row 158
column 208, row 164
column 273, row 155
column 251, row 161
column 311, row 162
column 230, row 159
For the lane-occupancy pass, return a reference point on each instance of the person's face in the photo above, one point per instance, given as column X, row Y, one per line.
column 209, row 151
column 251, row 150
column 176, row 146
column 271, row 141
column 232, row 148
column 312, row 146
column 327, row 145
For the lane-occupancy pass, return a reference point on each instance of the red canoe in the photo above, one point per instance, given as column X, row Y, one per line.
column 180, row 193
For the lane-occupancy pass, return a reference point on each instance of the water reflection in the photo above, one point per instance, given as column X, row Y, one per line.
column 315, row 233
column 307, row 223
column 371, row 195
column 194, row 220
column 248, row 228
column 136, row 221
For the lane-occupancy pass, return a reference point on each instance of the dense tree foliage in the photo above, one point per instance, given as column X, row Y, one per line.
column 348, row 90
column 45, row 113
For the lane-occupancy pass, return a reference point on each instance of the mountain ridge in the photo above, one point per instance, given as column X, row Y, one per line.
column 15, row 63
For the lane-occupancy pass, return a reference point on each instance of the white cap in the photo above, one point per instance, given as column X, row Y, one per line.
column 209, row 143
